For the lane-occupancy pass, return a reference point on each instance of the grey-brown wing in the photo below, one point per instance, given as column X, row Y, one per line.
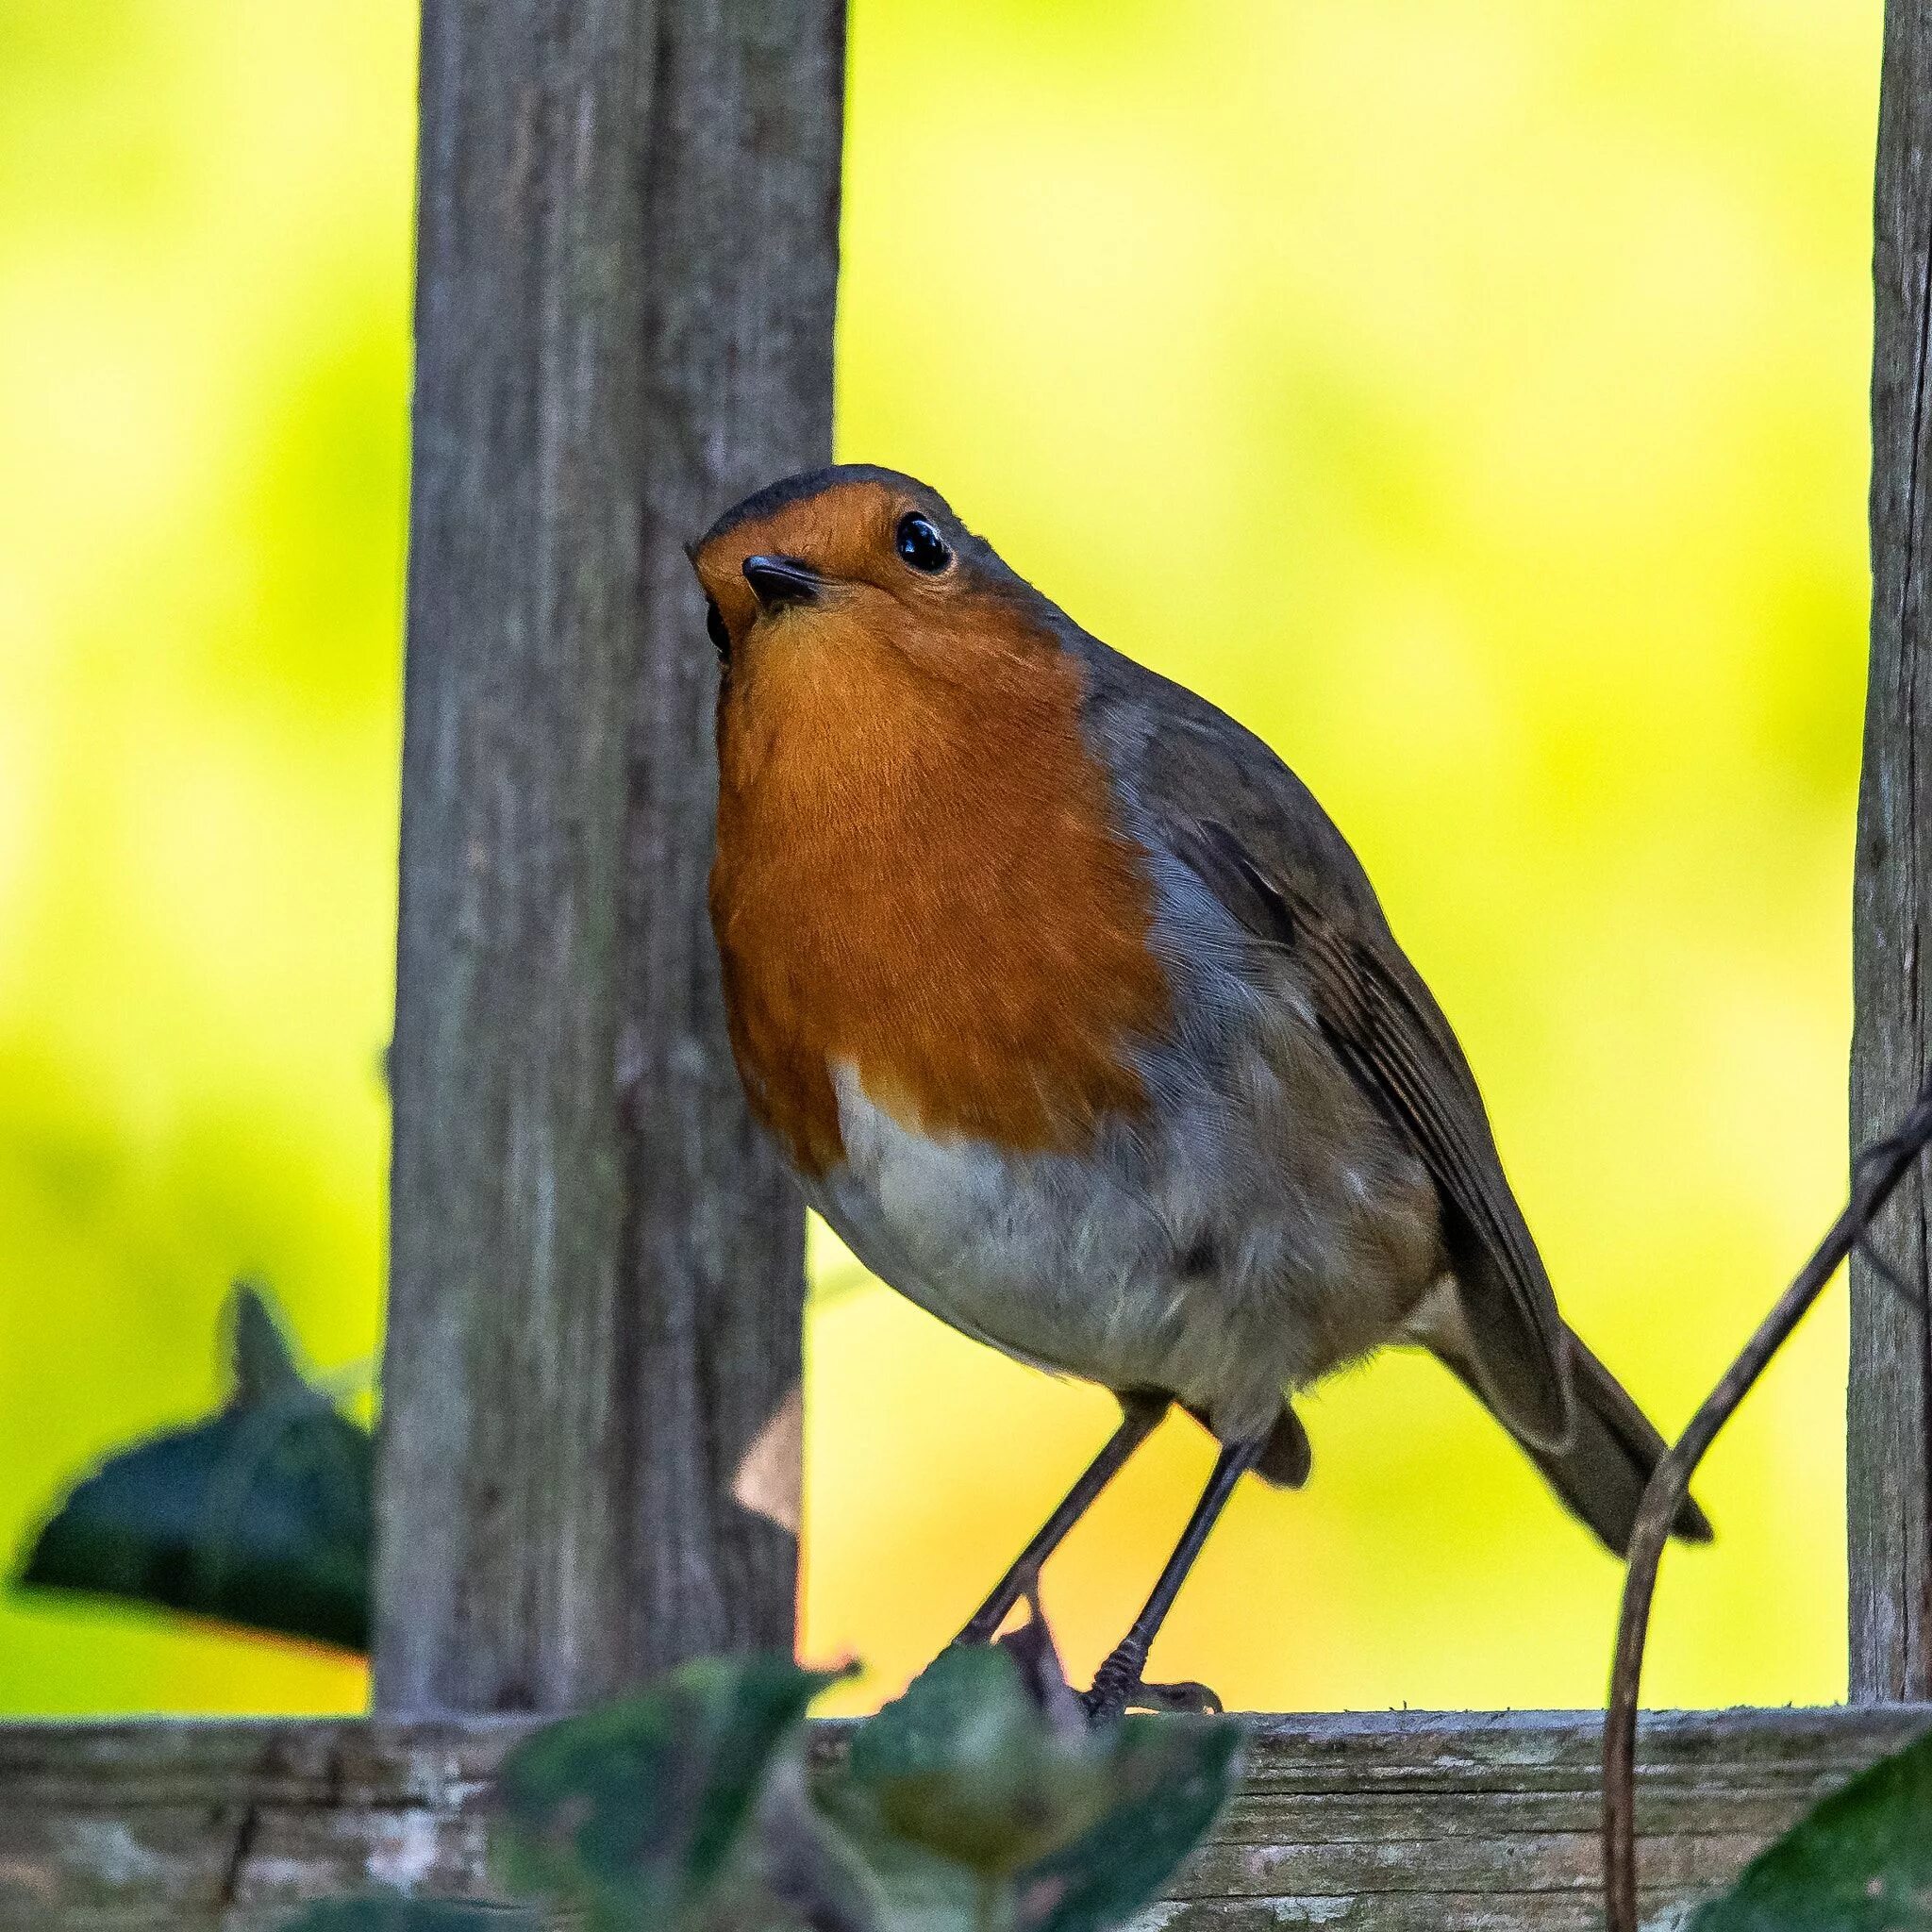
column 1386, row 1029
column 1389, row 1031
column 1259, row 840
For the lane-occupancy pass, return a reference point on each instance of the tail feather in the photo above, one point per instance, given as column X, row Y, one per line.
column 1602, row 1471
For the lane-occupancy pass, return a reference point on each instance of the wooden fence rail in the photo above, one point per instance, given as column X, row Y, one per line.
column 1391, row 1823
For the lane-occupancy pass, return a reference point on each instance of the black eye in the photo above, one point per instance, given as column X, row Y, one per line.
column 920, row 544
column 714, row 629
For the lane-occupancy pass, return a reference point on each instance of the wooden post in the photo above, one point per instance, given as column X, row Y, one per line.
column 626, row 261
column 1890, row 1436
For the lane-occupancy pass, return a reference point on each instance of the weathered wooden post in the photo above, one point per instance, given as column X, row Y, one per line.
column 627, row 216
column 1890, row 1431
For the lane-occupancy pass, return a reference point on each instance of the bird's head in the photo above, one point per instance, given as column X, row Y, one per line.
column 918, row 873
column 856, row 559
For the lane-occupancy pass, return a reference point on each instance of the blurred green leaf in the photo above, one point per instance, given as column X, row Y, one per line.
column 987, row 1762
column 259, row 1516
column 979, row 1799
column 966, row 1764
column 1168, row 1778
column 1860, row 1862
column 398, row 1914
column 263, row 1364
column 916, row 1889
column 633, row 1811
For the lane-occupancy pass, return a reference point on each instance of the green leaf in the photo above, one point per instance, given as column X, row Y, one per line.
column 914, row 1888
column 967, row 1765
column 1168, row 1778
column 986, row 1769
column 265, row 1370
column 632, row 1811
column 259, row 1516
column 1860, row 1862
column 398, row 1914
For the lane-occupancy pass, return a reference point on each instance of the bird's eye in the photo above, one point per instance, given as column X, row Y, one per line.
column 921, row 544
column 714, row 629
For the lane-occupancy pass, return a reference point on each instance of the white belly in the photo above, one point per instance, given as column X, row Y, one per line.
column 1175, row 1266
column 1012, row 1250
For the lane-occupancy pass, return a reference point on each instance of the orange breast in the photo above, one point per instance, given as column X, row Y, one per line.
column 919, row 874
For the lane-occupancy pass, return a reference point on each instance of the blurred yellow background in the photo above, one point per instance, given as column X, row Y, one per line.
column 1470, row 395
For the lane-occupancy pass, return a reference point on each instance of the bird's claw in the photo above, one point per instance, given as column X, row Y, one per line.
column 1117, row 1687
column 1188, row 1699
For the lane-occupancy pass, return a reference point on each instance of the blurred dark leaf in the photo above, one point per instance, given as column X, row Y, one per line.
column 1860, row 1862
column 916, row 1889
column 987, row 1762
column 397, row 1914
column 632, row 1813
column 261, row 1363
column 966, row 1764
column 1168, row 1778
column 259, row 1516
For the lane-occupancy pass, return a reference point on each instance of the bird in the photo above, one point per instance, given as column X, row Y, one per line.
column 1076, row 1018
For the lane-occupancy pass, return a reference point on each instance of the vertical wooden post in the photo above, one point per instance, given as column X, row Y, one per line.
column 1889, row 1432
column 626, row 261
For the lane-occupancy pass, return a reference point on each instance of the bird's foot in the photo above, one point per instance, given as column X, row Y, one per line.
column 1119, row 1687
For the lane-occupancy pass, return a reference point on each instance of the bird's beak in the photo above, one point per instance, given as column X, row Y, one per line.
column 776, row 581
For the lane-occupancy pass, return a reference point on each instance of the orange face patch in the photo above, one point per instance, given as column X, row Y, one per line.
column 918, row 873
column 845, row 532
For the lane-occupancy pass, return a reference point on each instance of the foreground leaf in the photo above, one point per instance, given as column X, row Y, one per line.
column 633, row 1811
column 259, row 1516
column 1168, row 1778
column 985, row 1766
column 915, row 1889
column 1860, row 1862
column 968, row 1765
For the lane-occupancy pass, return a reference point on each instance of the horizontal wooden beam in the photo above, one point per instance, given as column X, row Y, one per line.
column 1352, row 1822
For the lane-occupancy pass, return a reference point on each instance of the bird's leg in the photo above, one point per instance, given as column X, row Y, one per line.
column 1118, row 1682
column 1140, row 1414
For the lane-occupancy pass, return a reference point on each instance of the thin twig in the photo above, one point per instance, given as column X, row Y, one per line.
column 1876, row 1171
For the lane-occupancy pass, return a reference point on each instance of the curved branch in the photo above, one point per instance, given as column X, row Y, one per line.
column 1874, row 1173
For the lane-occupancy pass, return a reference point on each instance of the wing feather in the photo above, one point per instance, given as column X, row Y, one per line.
column 1227, row 806
column 1388, row 1031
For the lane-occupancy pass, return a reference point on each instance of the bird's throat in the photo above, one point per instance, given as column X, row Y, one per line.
column 921, row 877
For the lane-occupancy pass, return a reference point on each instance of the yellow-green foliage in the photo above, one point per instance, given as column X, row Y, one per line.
column 1470, row 394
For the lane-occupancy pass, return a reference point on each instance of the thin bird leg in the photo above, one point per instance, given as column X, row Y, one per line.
column 1118, row 1682
column 1140, row 1414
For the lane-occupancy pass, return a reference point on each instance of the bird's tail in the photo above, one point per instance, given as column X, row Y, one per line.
column 1601, row 1473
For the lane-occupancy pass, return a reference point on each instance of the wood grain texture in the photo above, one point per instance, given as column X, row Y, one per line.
column 1370, row 1822
column 1890, row 1419
column 627, row 263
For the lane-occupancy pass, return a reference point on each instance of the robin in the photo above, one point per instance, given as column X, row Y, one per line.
column 1079, row 1021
